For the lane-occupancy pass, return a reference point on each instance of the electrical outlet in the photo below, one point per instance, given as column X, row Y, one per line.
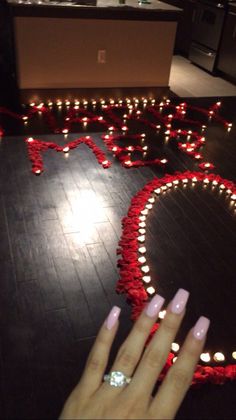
column 101, row 56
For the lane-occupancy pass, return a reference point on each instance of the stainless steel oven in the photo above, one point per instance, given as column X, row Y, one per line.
column 208, row 20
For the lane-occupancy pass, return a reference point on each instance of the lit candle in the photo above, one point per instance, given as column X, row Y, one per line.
column 128, row 163
column 205, row 357
column 219, row 357
column 162, row 314
column 141, row 238
column 142, row 231
column 142, row 224
column 142, row 259
column 142, row 250
column 175, row 347
column 150, row 290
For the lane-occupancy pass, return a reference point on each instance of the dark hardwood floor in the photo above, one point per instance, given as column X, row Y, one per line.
column 59, row 235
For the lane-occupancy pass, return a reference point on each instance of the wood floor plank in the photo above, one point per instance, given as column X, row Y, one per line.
column 92, row 287
column 19, row 402
column 106, row 232
column 50, row 288
column 75, row 298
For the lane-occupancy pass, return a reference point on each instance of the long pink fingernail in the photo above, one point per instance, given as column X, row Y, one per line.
column 179, row 301
column 112, row 317
column 154, row 306
column 201, row 327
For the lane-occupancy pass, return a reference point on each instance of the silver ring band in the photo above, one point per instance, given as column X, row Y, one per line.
column 117, row 379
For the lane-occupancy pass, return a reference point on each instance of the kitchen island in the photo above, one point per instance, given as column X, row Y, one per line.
column 107, row 48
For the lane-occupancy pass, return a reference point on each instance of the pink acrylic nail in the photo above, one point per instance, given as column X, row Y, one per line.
column 201, row 327
column 179, row 301
column 112, row 317
column 154, row 306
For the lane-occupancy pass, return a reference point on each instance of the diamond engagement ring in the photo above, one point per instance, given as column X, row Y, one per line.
column 117, row 379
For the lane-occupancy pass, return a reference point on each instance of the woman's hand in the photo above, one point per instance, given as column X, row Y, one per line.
column 94, row 399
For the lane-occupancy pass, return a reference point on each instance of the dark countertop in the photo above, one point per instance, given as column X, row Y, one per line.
column 131, row 10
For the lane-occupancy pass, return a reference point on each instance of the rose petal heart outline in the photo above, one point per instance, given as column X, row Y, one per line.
column 132, row 266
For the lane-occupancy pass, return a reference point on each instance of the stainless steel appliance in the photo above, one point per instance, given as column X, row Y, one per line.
column 208, row 21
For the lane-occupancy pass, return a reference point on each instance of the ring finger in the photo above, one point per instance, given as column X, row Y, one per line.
column 157, row 351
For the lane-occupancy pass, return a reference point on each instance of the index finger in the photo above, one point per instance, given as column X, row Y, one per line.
column 99, row 354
